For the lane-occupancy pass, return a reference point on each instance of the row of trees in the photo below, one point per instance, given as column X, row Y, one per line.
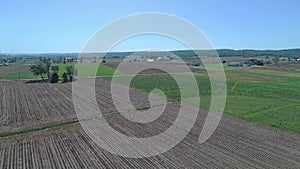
column 57, row 60
column 4, row 60
column 42, row 69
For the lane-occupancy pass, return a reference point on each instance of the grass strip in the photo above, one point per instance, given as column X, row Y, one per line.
column 38, row 128
column 112, row 114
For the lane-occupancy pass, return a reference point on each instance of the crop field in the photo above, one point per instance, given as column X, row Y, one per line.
column 235, row 143
column 263, row 95
column 30, row 105
column 15, row 71
column 86, row 69
column 27, row 105
column 39, row 127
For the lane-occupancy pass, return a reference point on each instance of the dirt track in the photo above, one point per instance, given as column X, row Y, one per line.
column 235, row 144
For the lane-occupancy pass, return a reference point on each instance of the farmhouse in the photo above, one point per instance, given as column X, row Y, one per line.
column 68, row 60
column 266, row 61
column 196, row 63
column 150, row 60
column 284, row 58
column 133, row 59
column 250, row 63
column 6, row 64
column 235, row 64
column 162, row 58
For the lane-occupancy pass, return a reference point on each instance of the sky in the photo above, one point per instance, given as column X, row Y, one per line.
column 66, row 25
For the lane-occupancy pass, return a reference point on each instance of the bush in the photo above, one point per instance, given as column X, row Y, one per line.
column 259, row 63
column 54, row 78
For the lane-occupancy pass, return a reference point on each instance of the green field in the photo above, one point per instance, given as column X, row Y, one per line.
column 21, row 75
column 262, row 95
column 90, row 69
column 19, row 71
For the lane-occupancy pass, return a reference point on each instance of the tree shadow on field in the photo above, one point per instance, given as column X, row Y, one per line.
column 35, row 81
column 46, row 81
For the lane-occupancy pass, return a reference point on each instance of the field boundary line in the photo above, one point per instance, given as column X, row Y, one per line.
column 109, row 115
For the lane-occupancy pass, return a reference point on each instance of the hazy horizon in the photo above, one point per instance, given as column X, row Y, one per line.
column 148, row 51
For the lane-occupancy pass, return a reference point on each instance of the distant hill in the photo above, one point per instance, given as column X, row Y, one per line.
column 252, row 53
column 181, row 53
column 240, row 53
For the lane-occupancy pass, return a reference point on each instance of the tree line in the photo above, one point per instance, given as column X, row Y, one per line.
column 293, row 53
column 46, row 68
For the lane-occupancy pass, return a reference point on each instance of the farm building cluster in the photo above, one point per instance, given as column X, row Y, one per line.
column 250, row 62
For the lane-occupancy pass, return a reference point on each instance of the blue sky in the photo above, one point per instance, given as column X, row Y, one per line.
column 65, row 26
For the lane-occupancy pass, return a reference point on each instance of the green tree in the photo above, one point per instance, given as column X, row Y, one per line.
column 71, row 78
column 276, row 60
column 65, row 77
column 39, row 70
column 48, row 65
column 54, row 78
column 55, row 69
column 70, row 72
